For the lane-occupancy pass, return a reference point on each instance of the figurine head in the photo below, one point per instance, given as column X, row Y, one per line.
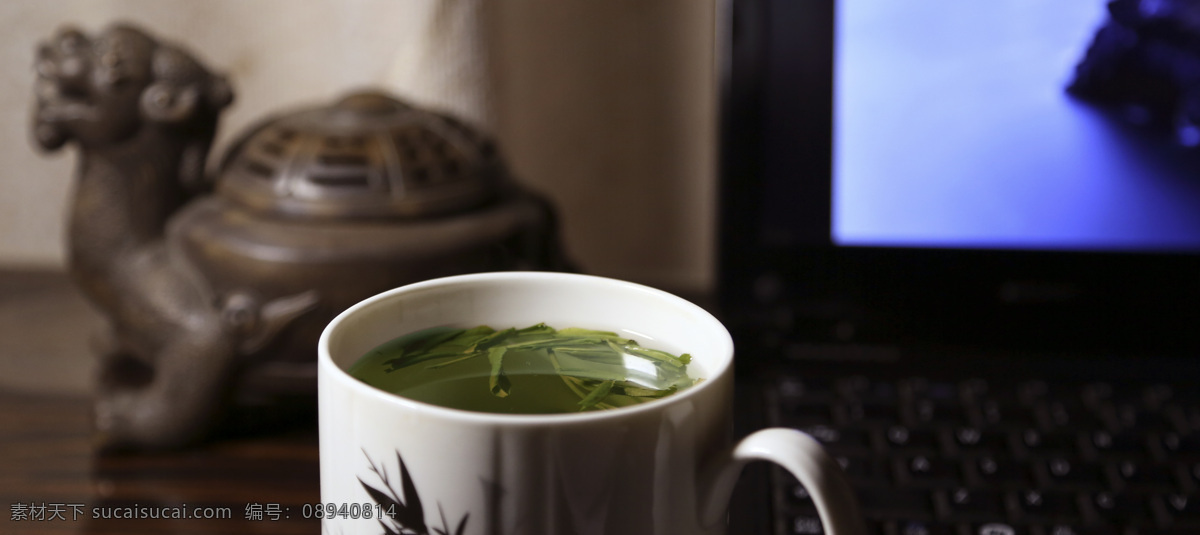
column 102, row 91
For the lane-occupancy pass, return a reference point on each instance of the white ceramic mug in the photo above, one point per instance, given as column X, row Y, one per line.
column 664, row 467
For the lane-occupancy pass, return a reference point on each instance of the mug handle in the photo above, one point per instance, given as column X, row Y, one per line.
column 806, row 459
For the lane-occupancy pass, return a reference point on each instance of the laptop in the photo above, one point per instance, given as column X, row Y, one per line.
column 979, row 289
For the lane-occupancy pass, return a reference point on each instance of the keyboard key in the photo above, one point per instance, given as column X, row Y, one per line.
column 1053, row 506
column 1189, row 418
column 1006, row 394
column 865, row 390
column 1121, row 507
column 1002, row 392
column 926, row 412
column 810, row 524
column 1031, row 391
column 1065, row 529
column 927, row 471
column 1157, row 395
column 1096, row 394
column 1037, row 443
column 998, row 528
column 864, row 470
column 919, row 527
column 1060, row 414
column 1124, row 443
column 901, row 438
column 861, row 470
column 807, row 525
column 975, row 440
column 895, row 503
column 796, row 389
column 870, row 412
column 1181, row 446
column 1151, row 530
column 799, row 497
column 1178, row 418
column 1000, row 472
column 976, row 388
column 837, row 440
column 973, row 504
column 1063, row 473
column 938, row 392
column 1131, row 416
column 805, row 413
column 1145, row 475
column 1183, row 509
column 995, row 414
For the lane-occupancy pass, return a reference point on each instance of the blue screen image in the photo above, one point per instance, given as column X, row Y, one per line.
column 953, row 129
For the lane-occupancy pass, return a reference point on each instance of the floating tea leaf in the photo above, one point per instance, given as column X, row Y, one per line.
column 533, row 370
column 498, row 383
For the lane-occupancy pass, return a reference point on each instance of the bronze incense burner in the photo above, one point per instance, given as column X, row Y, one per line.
column 217, row 287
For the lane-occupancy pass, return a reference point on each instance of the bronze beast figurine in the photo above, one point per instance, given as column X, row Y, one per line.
column 216, row 295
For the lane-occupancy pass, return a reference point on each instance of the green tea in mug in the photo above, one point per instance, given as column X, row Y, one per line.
column 535, row 370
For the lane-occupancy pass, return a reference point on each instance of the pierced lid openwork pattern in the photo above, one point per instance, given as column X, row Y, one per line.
column 367, row 156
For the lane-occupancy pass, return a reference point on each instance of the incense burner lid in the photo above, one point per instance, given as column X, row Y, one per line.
column 369, row 155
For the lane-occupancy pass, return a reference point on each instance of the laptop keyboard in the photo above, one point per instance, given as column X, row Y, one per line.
column 983, row 457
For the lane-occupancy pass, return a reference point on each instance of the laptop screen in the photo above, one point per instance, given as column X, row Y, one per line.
column 953, row 127
column 919, row 170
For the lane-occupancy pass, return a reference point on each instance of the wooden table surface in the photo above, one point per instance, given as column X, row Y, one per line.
column 54, row 480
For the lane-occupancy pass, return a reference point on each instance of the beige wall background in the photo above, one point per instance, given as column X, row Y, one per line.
column 606, row 107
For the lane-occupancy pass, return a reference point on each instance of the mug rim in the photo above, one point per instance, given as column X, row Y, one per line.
column 328, row 368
